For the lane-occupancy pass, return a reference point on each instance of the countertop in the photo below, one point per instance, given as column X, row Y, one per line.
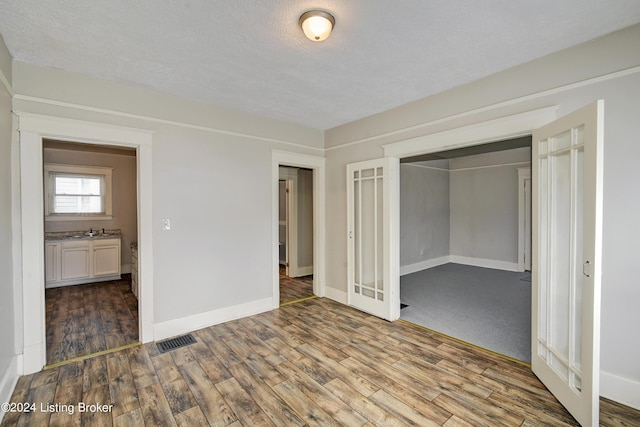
column 81, row 235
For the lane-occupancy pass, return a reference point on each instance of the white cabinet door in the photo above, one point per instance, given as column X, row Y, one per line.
column 106, row 257
column 52, row 262
column 75, row 260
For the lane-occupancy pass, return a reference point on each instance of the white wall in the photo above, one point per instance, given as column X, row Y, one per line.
column 424, row 214
column 462, row 210
column 8, row 369
column 606, row 68
column 484, row 205
column 215, row 262
column 124, row 184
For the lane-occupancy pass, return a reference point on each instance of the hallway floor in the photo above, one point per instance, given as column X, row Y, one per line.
column 294, row 288
column 86, row 319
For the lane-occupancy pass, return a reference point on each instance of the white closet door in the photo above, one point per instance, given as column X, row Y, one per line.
column 567, row 249
column 373, row 265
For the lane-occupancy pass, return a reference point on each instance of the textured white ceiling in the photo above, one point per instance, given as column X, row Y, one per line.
column 250, row 55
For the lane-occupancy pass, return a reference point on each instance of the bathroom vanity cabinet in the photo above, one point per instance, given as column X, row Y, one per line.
column 82, row 260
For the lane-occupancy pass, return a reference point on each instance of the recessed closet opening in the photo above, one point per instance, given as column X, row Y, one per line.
column 465, row 244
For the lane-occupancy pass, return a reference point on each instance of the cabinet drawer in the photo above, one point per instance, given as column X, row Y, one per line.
column 106, row 242
column 76, row 244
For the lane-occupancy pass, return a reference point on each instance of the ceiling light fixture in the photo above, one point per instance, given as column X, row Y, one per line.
column 317, row 24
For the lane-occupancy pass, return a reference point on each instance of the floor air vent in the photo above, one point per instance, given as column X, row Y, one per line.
column 177, row 342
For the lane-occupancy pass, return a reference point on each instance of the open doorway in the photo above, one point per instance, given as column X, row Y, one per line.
column 462, row 244
column 90, row 229
column 295, row 233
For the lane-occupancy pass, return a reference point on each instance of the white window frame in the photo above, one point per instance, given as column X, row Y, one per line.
column 53, row 168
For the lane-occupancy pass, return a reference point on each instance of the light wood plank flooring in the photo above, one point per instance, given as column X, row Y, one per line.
column 86, row 319
column 313, row 363
column 293, row 289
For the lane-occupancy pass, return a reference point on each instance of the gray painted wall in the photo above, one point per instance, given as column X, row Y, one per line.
column 303, row 179
column 305, row 218
column 484, row 204
column 424, row 213
column 201, row 264
column 524, row 88
column 7, row 323
column 124, row 184
column 218, row 253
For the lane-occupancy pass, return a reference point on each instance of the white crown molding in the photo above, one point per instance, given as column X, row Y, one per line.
column 155, row 120
column 415, row 165
column 507, row 127
column 502, row 104
column 5, row 83
column 499, row 165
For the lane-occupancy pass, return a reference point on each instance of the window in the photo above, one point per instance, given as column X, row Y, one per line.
column 77, row 192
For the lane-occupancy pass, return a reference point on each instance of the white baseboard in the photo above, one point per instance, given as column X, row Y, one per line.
column 423, row 265
column 125, row 268
column 171, row 328
column 336, row 295
column 304, row 271
column 8, row 382
column 621, row 390
column 486, row 263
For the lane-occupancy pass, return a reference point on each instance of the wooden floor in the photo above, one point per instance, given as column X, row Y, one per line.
column 293, row 289
column 315, row 362
column 86, row 319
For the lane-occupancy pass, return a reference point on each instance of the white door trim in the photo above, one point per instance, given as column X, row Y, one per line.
column 32, row 129
column 317, row 165
column 503, row 128
column 524, row 219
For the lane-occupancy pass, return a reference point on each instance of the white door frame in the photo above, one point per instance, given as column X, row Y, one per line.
column 32, row 129
column 291, row 183
column 317, row 165
column 524, row 220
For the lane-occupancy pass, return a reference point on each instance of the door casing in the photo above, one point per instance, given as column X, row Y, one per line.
column 32, row 129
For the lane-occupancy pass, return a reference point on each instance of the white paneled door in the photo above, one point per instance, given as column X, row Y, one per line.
column 567, row 241
column 373, row 260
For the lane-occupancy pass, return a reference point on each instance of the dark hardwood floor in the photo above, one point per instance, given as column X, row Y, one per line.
column 293, row 289
column 315, row 362
column 86, row 319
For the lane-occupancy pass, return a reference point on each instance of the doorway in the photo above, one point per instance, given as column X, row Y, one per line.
column 91, row 230
column 317, row 167
column 33, row 129
column 295, row 233
column 459, row 231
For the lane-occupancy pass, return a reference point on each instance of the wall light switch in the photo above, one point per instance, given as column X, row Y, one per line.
column 166, row 224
